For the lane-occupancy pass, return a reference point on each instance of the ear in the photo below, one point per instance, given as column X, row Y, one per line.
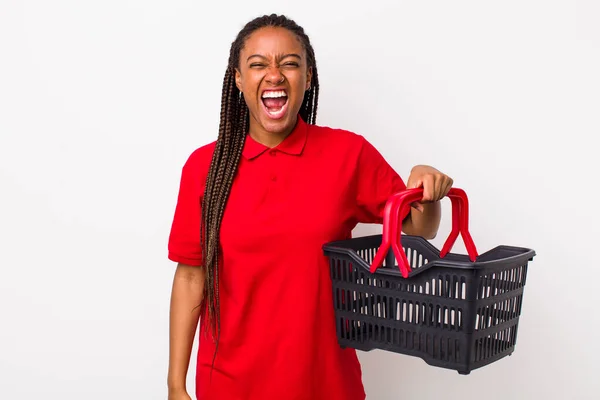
column 238, row 79
column 308, row 77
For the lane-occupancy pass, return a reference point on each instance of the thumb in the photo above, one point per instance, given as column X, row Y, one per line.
column 417, row 184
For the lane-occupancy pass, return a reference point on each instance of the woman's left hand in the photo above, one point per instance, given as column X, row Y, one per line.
column 435, row 184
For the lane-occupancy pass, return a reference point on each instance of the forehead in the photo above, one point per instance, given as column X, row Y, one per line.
column 272, row 41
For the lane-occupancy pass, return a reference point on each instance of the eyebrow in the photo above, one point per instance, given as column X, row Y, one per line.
column 282, row 57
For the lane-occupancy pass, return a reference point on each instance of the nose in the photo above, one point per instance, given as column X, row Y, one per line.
column 274, row 76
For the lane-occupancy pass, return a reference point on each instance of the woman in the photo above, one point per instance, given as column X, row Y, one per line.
column 253, row 212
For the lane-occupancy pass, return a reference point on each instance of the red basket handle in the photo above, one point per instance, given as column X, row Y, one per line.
column 396, row 209
column 386, row 237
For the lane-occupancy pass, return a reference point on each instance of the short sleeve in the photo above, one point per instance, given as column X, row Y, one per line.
column 184, row 239
column 377, row 181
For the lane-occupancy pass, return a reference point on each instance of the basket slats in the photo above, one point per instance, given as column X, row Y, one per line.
column 451, row 312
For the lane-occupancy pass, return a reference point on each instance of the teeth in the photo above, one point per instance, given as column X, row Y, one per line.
column 274, row 94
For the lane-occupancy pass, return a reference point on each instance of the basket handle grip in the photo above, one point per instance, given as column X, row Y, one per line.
column 398, row 207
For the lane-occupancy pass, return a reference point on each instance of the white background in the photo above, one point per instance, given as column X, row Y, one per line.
column 101, row 102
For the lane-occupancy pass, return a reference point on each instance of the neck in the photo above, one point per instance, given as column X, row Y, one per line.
column 269, row 138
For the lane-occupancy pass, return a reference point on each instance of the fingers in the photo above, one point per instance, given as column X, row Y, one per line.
column 435, row 184
column 417, row 205
column 440, row 184
column 443, row 186
column 435, row 187
column 448, row 185
column 429, row 188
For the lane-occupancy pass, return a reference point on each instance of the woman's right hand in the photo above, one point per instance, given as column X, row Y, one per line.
column 179, row 395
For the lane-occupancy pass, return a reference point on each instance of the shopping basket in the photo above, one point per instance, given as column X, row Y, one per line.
column 399, row 293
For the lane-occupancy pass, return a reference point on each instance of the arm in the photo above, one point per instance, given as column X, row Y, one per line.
column 186, row 296
column 423, row 223
column 377, row 181
column 184, row 248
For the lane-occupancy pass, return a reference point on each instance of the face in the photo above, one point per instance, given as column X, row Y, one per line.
column 273, row 76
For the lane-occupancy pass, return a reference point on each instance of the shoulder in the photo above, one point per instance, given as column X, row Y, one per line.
column 199, row 160
column 196, row 166
column 339, row 138
column 351, row 146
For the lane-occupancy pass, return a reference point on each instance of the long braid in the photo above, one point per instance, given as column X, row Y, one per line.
column 212, row 196
column 233, row 128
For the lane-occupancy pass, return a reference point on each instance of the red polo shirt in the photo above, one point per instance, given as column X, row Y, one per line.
column 278, row 338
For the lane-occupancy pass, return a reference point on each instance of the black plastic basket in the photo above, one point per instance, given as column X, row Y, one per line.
column 454, row 311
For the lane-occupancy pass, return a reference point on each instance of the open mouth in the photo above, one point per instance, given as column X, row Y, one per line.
column 275, row 103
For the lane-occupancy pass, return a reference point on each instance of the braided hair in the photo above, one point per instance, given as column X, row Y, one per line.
column 233, row 127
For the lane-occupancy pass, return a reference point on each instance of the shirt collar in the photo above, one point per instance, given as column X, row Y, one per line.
column 293, row 144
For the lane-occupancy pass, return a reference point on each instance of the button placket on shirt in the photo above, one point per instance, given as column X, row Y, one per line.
column 273, row 154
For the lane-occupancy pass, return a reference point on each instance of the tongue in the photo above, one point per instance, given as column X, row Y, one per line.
column 276, row 103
